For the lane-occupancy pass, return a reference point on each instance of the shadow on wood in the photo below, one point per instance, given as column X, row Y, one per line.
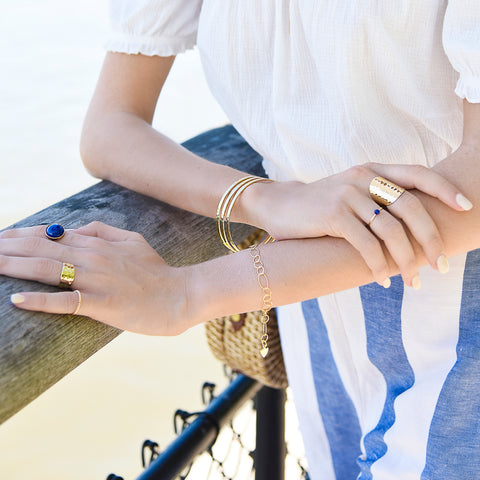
column 38, row 349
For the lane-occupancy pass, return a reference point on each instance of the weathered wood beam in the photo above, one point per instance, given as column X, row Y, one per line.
column 37, row 349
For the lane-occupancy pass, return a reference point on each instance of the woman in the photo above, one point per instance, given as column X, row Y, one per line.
column 384, row 375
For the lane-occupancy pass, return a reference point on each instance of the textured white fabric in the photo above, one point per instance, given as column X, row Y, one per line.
column 317, row 86
column 309, row 83
column 159, row 27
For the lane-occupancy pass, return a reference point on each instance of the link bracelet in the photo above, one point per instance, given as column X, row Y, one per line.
column 267, row 297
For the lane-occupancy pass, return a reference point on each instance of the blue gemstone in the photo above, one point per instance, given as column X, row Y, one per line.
column 54, row 231
column 376, row 211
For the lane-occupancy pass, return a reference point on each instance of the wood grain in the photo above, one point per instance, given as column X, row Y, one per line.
column 37, row 349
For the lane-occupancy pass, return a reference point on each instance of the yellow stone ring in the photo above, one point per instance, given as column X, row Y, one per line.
column 384, row 192
column 68, row 275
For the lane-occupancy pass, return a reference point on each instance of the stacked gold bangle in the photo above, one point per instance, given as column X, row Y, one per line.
column 225, row 207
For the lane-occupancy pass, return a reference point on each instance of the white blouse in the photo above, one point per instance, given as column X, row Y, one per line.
column 316, row 86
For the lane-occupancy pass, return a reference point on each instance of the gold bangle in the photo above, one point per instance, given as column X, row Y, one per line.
column 226, row 205
column 267, row 297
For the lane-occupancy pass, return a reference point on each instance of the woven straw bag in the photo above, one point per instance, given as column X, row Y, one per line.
column 235, row 341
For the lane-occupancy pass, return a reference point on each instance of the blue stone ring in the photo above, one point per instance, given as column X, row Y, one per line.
column 54, row 231
column 374, row 216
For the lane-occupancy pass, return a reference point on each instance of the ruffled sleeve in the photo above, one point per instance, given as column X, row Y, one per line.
column 461, row 41
column 153, row 27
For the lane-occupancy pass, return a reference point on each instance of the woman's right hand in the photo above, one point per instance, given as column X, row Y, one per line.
column 341, row 206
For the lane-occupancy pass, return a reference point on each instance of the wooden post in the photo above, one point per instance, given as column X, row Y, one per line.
column 37, row 349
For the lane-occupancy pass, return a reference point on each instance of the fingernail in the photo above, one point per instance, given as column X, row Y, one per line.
column 464, row 202
column 442, row 264
column 387, row 282
column 416, row 282
column 16, row 298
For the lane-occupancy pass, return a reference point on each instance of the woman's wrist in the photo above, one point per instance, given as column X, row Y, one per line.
column 260, row 203
column 251, row 205
column 221, row 286
column 200, row 295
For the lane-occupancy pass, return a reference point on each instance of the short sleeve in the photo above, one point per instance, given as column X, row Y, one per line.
column 461, row 41
column 153, row 27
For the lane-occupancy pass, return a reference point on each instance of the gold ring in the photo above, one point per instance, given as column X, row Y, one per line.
column 375, row 213
column 384, row 192
column 79, row 302
column 68, row 275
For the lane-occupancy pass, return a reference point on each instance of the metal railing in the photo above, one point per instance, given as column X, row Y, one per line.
column 200, row 434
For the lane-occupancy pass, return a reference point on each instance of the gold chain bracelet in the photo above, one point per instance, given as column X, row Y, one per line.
column 267, row 297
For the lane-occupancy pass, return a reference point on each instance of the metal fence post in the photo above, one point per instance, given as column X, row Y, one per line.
column 199, row 435
column 270, row 448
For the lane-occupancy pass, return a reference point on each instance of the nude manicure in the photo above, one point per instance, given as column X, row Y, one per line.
column 16, row 298
column 416, row 282
column 464, row 202
column 387, row 282
column 442, row 264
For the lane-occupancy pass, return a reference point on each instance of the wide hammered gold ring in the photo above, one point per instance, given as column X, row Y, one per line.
column 385, row 192
column 68, row 275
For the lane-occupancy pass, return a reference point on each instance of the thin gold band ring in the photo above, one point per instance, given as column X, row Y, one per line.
column 376, row 212
column 79, row 302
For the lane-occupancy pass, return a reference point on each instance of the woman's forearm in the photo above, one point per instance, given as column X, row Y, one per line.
column 119, row 144
column 128, row 151
column 302, row 269
column 296, row 269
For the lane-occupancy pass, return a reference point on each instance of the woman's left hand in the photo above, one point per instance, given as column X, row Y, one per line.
column 123, row 282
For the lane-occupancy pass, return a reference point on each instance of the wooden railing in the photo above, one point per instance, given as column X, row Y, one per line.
column 38, row 349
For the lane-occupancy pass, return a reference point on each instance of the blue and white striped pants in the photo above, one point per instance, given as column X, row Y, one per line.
column 387, row 382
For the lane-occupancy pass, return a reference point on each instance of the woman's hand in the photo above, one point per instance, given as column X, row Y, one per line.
column 341, row 206
column 123, row 281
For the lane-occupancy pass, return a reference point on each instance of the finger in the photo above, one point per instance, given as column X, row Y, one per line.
column 426, row 180
column 388, row 229
column 37, row 247
column 370, row 249
column 39, row 232
column 107, row 232
column 36, row 231
column 43, row 270
column 391, row 231
column 60, row 302
column 411, row 210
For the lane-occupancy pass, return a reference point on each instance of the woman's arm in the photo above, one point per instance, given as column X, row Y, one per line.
column 126, row 284
column 302, row 269
column 119, row 144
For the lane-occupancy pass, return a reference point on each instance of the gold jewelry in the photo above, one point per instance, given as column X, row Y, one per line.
column 68, row 275
column 375, row 213
column 225, row 207
column 79, row 301
column 385, row 192
column 267, row 297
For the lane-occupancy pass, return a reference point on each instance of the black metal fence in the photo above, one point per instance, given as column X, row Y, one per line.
column 220, row 437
